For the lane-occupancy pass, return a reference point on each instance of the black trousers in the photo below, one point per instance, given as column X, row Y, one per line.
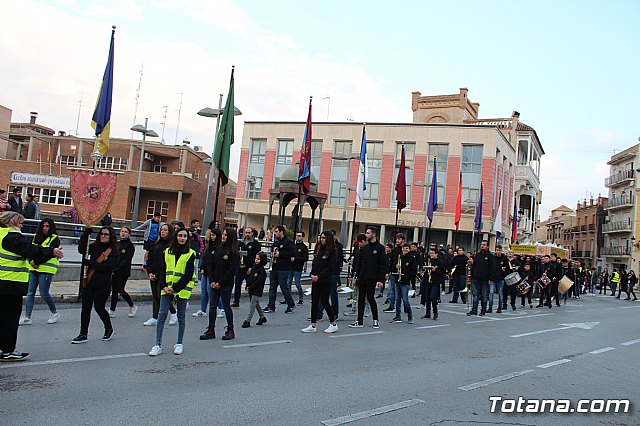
column 224, row 293
column 320, row 292
column 10, row 309
column 510, row 292
column 155, row 295
column 366, row 292
column 432, row 299
column 545, row 295
column 96, row 298
column 117, row 288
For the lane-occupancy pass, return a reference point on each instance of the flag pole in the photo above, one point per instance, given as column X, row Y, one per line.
column 215, row 203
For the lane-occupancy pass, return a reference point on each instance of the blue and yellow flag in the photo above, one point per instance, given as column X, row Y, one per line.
column 101, row 120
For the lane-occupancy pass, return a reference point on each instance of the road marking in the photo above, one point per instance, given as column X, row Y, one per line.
column 582, row 325
column 630, row 342
column 432, row 326
column 554, row 363
column 574, row 310
column 452, row 312
column 370, row 413
column 357, row 334
column 599, row 351
column 68, row 360
column 251, row 345
column 513, row 318
column 493, row 380
column 629, row 307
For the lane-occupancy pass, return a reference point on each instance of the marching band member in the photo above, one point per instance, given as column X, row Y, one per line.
column 393, row 273
column 527, row 276
column 370, row 270
column 406, row 268
column 567, row 271
column 547, row 269
column 433, row 279
column 482, row 274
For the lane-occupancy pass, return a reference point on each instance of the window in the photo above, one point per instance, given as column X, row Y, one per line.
column 258, row 149
column 55, row 196
column 158, row 206
column 68, row 160
column 285, row 152
column 114, row 163
column 316, row 157
column 339, row 172
column 253, row 188
column 371, row 195
column 374, row 155
column 441, row 153
column 196, row 175
column 409, row 155
column 337, row 193
column 342, row 148
column 471, row 173
column 158, row 168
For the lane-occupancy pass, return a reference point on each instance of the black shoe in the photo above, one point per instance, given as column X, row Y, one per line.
column 349, row 305
column 482, row 313
column 379, row 296
column 453, row 301
column 82, row 338
column 300, row 302
column 513, row 307
column 449, row 292
column 472, row 313
column 14, row 356
column 389, row 309
column 261, row 321
column 426, row 316
column 246, row 324
column 107, row 335
column 283, row 302
column 539, row 305
column 435, row 316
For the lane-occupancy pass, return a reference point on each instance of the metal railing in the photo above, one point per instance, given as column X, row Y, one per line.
column 615, row 251
column 618, row 226
column 622, row 201
column 619, row 177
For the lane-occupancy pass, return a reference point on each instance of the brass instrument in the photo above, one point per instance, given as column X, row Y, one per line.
column 399, row 268
column 429, row 268
column 468, row 286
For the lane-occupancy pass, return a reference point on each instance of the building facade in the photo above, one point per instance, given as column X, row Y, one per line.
column 445, row 128
column 558, row 227
column 587, row 231
column 173, row 178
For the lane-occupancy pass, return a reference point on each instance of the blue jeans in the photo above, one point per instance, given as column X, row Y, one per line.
column 496, row 287
column 43, row 281
column 205, row 292
column 181, row 306
column 402, row 298
column 296, row 276
column 613, row 287
column 391, row 293
column 280, row 278
column 480, row 294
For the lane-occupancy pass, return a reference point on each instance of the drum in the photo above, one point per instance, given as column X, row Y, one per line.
column 512, row 278
column 523, row 288
column 544, row 281
column 564, row 285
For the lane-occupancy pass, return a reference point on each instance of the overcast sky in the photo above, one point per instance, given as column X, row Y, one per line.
column 569, row 67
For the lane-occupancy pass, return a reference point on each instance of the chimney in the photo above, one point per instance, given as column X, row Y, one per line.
column 62, row 133
column 34, row 116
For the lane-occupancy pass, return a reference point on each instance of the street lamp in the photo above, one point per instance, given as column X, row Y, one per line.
column 210, row 112
column 145, row 132
column 343, row 226
column 248, row 180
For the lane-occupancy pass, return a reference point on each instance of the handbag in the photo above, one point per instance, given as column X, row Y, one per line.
column 85, row 280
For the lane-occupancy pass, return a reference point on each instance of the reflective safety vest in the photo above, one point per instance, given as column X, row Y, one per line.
column 51, row 265
column 176, row 270
column 615, row 277
column 13, row 267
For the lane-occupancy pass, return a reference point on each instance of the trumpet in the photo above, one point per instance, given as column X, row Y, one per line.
column 468, row 286
column 399, row 268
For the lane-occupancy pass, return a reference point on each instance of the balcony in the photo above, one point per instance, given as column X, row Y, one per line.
column 526, row 172
column 615, row 251
column 619, row 226
column 592, row 227
column 619, row 177
column 619, row 202
column 582, row 254
column 525, row 225
column 583, row 228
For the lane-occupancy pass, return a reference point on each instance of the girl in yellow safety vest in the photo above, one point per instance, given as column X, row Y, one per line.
column 176, row 284
column 40, row 276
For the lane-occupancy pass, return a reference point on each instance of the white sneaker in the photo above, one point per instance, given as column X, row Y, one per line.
column 132, row 311
column 112, row 314
column 309, row 329
column 150, row 322
column 174, row 319
column 53, row 318
column 187, row 307
column 25, row 321
column 199, row 313
column 156, row 350
column 331, row 329
column 177, row 349
column 220, row 313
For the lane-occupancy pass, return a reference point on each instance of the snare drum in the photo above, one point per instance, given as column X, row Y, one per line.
column 512, row 278
column 523, row 288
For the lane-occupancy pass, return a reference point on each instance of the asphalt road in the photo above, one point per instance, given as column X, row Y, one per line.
column 405, row 374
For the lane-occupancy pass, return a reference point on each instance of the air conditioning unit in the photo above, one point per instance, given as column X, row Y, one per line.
column 148, row 156
column 197, row 148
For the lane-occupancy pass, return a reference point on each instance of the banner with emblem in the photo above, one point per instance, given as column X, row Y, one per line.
column 92, row 194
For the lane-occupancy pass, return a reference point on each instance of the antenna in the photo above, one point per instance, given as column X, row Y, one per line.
column 164, row 122
column 175, row 141
column 328, row 98
column 79, row 109
column 135, row 111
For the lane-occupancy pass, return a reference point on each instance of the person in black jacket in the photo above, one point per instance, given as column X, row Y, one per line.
column 225, row 262
column 322, row 269
column 389, row 253
column 300, row 259
column 212, row 239
column 502, row 269
column 482, row 274
column 255, row 287
column 16, row 201
column 156, row 269
column 282, row 253
column 249, row 248
column 103, row 258
column 407, row 268
column 459, row 276
column 370, row 268
column 432, row 280
column 121, row 273
column 392, row 273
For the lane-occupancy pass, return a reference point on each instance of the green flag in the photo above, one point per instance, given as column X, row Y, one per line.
column 222, row 153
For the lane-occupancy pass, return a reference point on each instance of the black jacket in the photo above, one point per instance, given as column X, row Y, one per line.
column 341, row 259
column 438, row 274
column 483, row 267
column 16, row 205
column 324, row 264
column 101, row 278
column 21, row 245
column 224, row 267
column 286, row 251
column 301, row 256
column 29, row 211
column 252, row 248
column 126, row 250
column 409, row 268
column 460, row 262
column 206, row 261
column 502, row 267
column 372, row 264
column 155, row 260
column 256, row 280
column 393, row 263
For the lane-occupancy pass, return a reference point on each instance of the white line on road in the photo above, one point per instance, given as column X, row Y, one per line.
column 630, row 342
column 251, row 345
column 493, row 380
column 68, row 360
column 452, row 312
column 357, row 334
column 432, row 326
column 554, row 363
column 513, row 318
column 599, row 351
column 370, row 413
column 629, row 307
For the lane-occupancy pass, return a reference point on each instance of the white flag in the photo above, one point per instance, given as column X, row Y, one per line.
column 363, row 170
column 497, row 226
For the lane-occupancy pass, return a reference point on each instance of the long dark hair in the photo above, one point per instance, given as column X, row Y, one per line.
column 329, row 242
column 231, row 245
column 113, row 241
column 40, row 235
column 169, row 234
column 175, row 247
column 213, row 243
